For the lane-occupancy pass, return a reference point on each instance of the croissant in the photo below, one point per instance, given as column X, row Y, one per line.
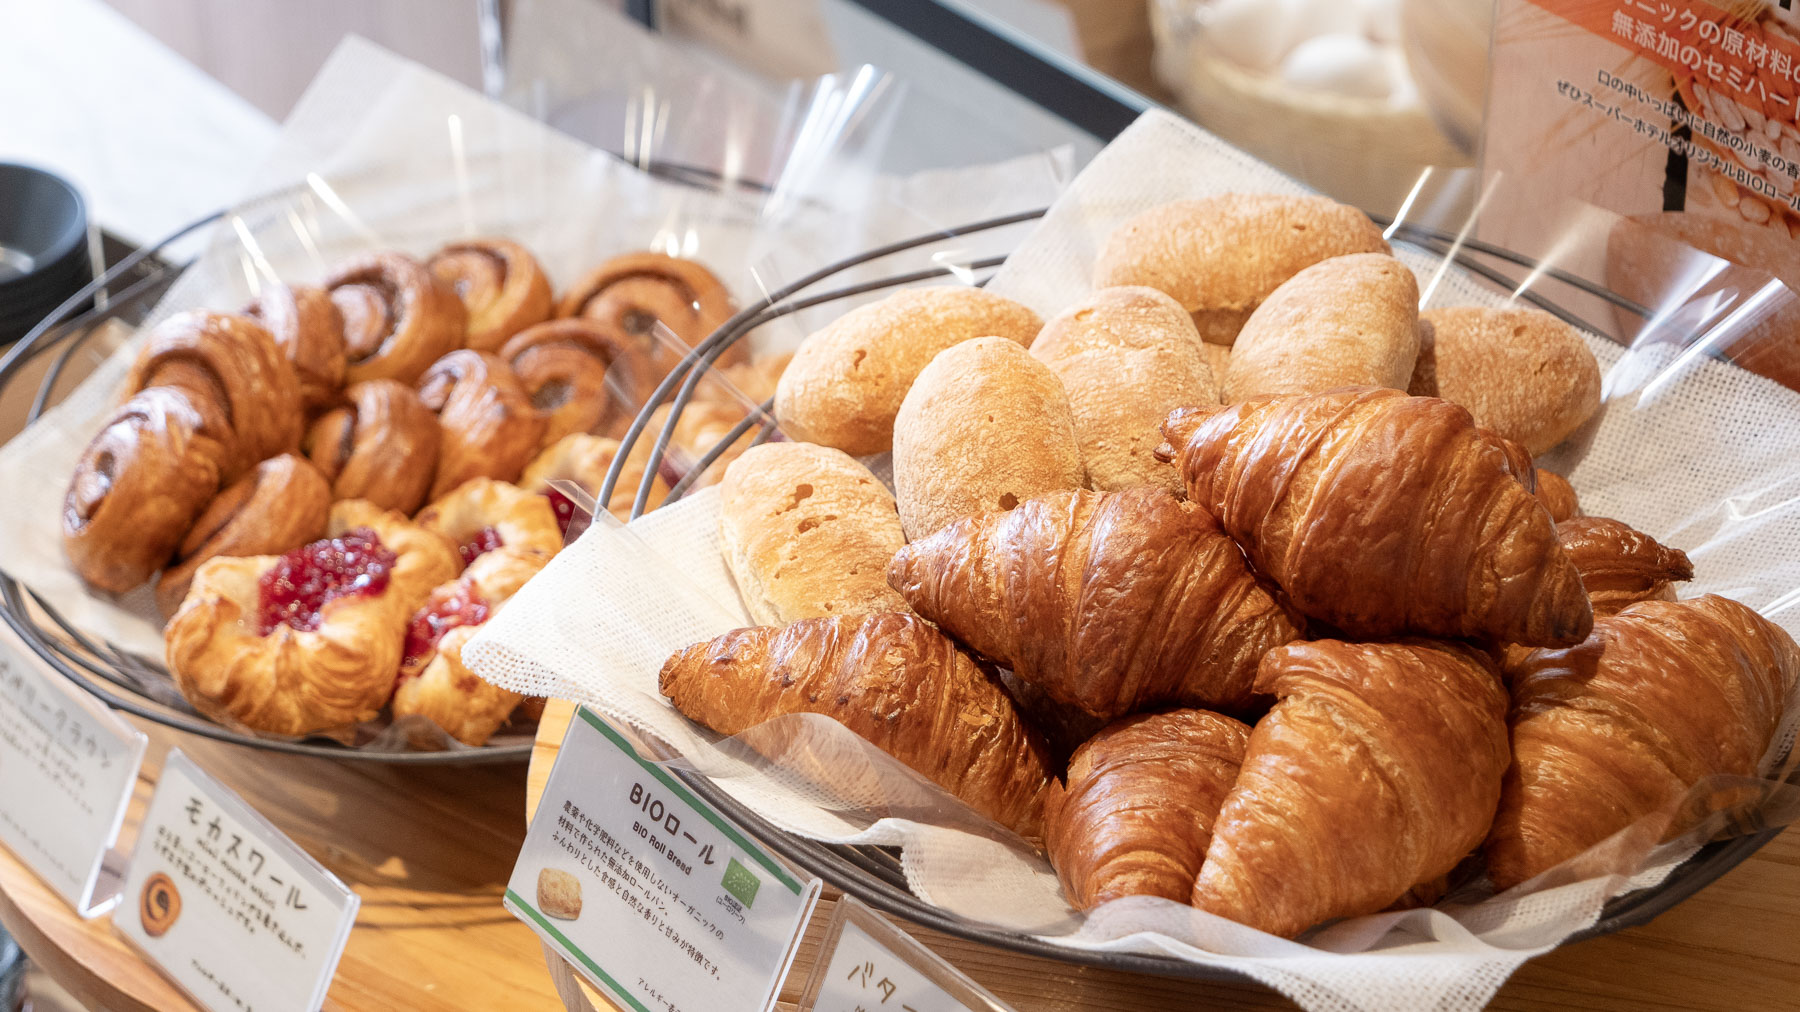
column 490, row 429
column 282, row 504
column 890, row 678
column 1138, row 812
column 230, row 365
column 501, row 285
column 1620, row 566
column 633, row 292
column 584, row 375
column 1109, row 601
column 139, row 485
column 309, row 331
column 1377, row 770
column 1380, row 513
column 1552, row 490
column 398, row 317
column 1557, row 495
column 1618, row 728
column 380, row 445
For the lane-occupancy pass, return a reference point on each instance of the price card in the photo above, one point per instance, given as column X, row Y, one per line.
column 866, row 964
column 651, row 895
column 227, row 905
column 67, row 768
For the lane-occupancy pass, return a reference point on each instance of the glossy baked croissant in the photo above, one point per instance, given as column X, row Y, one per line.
column 1380, row 513
column 501, row 286
column 398, row 317
column 1621, row 566
column 139, row 485
column 584, row 375
column 1618, row 728
column 1557, row 495
column 1552, row 490
column 1138, row 811
column 280, row 505
column 309, row 331
column 633, row 292
column 490, row 428
column 1110, row 601
column 891, row 678
column 381, row 444
column 1378, row 769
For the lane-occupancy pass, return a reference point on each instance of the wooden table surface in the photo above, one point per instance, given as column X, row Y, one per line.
column 430, row 851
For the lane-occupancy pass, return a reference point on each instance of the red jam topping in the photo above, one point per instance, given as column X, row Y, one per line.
column 439, row 616
column 300, row 582
column 563, row 507
column 485, row 540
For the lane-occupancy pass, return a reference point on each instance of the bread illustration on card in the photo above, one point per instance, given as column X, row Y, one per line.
column 558, row 894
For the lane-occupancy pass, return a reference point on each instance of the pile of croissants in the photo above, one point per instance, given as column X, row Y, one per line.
column 1235, row 584
column 335, row 485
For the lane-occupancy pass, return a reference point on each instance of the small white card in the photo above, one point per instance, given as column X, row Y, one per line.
column 650, row 894
column 227, row 905
column 866, row 964
column 67, row 768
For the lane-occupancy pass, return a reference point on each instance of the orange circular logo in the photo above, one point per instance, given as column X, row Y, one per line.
column 159, row 905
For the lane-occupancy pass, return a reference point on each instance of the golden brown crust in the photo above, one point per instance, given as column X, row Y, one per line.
column 585, row 459
column 900, row 684
column 1110, row 601
column 398, row 317
column 280, row 505
column 1138, row 811
column 1621, row 566
column 522, row 519
column 1221, row 256
column 1380, row 513
column 308, row 330
column 1347, row 321
column 501, row 285
column 1378, row 769
column 138, row 487
column 381, row 444
column 583, row 375
column 489, row 427
column 984, row 427
column 1521, row 372
column 1618, row 728
column 1127, row 357
column 1557, row 495
column 807, row 531
column 630, row 293
column 847, row 381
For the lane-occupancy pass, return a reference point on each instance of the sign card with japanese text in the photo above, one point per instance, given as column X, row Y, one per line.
column 647, row 891
column 866, row 964
column 227, row 905
column 67, row 768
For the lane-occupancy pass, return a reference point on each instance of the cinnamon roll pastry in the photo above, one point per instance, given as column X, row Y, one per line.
column 500, row 284
column 398, row 317
column 424, row 558
column 381, row 444
column 282, row 504
column 633, row 292
column 490, row 428
column 230, row 365
column 139, row 485
column 483, row 514
column 582, row 374
column 433, row 682
column 309, row 331
column 584, row 460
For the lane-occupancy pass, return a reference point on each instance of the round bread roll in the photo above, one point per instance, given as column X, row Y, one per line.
column 1220, row 256
column 1126, row 357
column 808, row 532
column 984, row 427
column 1521, row 372
column 1347, row 321
column 846, row 382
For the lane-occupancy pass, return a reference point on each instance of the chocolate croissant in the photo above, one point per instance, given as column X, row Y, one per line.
column 381, row 444
column 1621, row 566
column 501, row 286
column 398, row 317
column 890, row 678
column 280, row 505
column 1618, row 728
column 582, row 374
column 1109, row 601
column 634, row 292
column 308, row 329
column 1138, row 811
column 490, row 429
column 1378, row 769
column 1380, row 514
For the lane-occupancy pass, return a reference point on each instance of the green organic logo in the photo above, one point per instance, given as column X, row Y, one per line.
column 739, row 881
